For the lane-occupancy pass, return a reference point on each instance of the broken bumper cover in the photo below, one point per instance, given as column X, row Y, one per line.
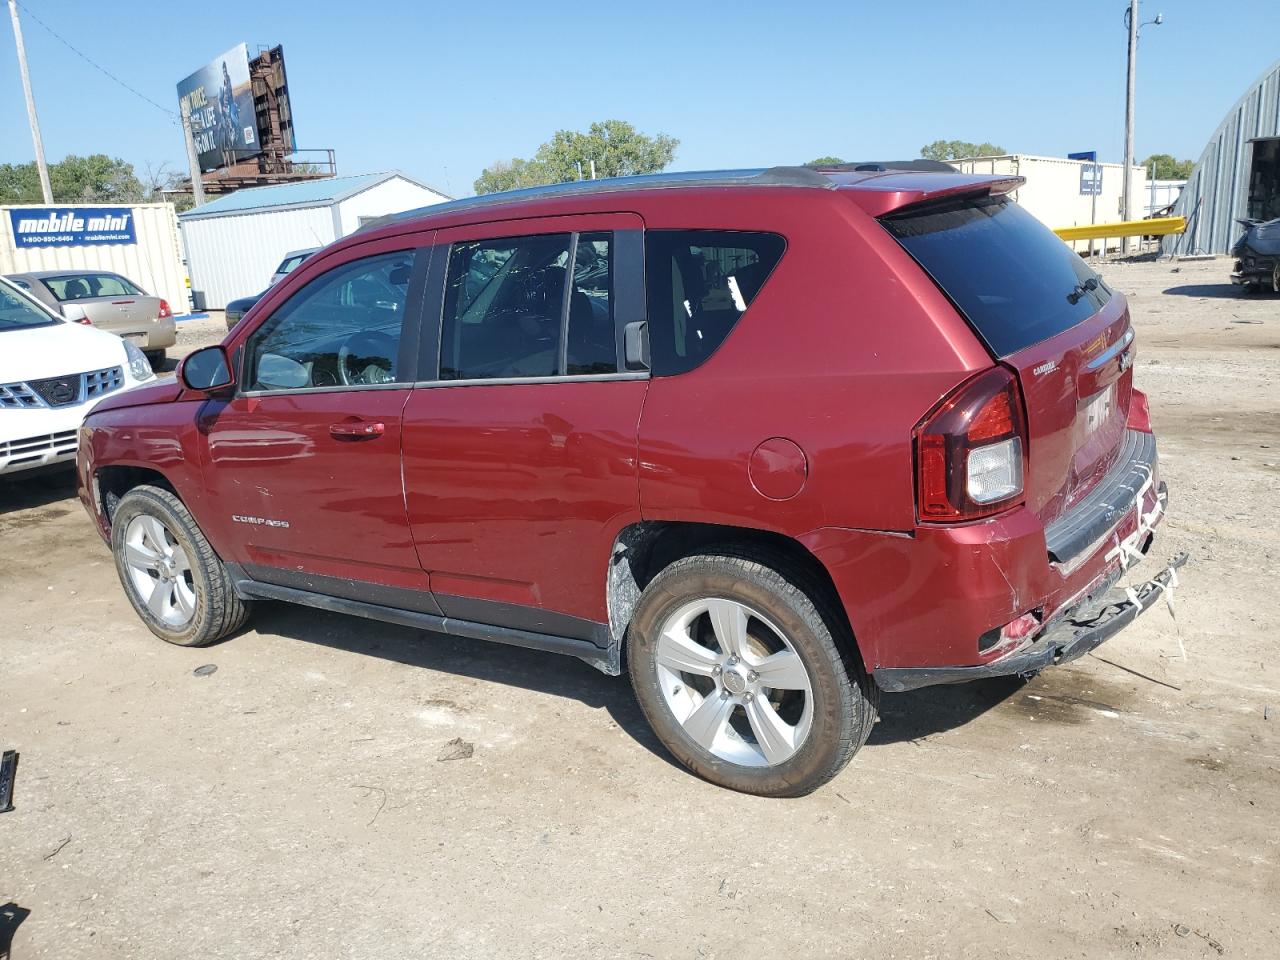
column 1066, row 639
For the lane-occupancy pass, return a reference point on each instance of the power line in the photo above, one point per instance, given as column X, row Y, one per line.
column 97, row 66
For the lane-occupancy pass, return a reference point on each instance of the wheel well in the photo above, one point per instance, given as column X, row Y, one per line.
column 114, row 482
column 642, row 550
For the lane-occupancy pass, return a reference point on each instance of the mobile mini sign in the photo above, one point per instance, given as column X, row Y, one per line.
column 72, row 226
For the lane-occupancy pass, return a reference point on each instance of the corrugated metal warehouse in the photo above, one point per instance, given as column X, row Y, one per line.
column 234, row 243
column 1238, row 174
column 1053, row 191
column 63, row 237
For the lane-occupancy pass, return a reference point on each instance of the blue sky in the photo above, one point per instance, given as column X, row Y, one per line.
column 440, row 90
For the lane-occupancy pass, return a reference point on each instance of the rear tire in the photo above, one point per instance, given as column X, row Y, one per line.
column 169, row 572
column 156, row 358
column 719, row 713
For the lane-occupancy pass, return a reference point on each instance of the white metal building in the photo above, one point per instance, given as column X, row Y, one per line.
column 1052, row 193
column 138, row 241
column 234, row 243
column 1237, row 175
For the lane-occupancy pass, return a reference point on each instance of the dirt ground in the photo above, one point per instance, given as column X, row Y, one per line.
column 292, row 803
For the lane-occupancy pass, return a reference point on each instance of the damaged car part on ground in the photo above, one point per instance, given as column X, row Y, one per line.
column 564, row 418
column 8, row 777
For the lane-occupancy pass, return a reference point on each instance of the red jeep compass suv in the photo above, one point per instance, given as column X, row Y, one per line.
column 774, row 440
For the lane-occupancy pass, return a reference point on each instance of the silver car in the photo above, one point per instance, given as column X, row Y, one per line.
column 108, row 301
column 290, row 263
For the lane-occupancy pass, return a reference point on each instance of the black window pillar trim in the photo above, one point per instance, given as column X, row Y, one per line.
column 566, row 298
column 630, row 304
column 408, row 355
column 431, row 316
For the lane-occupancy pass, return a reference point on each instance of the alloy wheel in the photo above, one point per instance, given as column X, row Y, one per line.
column 160, row 571
column 734, row 682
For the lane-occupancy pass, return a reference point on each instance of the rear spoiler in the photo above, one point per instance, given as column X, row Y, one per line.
column 885, row 166
column 894, row 191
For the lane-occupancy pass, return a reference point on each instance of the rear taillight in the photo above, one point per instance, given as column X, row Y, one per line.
column 971, row 451
column 165, row 312
column 85, row 321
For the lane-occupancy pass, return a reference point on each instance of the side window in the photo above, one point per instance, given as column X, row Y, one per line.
column 592, row 344
column 699, row 283
column 516, row 307
column 341, row 329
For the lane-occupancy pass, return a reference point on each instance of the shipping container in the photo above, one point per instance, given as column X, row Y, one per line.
column 139, row 241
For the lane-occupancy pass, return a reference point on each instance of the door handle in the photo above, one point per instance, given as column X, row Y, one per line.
column 358, row 430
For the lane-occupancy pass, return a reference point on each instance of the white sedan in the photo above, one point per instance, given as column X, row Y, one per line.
column 52, row 372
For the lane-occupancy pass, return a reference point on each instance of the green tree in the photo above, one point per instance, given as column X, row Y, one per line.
column 94, row 179
column 617, row 147
column 825, row 162
column 1167, row 168
column 19, row 183
column 511, row 175
column 956, row 149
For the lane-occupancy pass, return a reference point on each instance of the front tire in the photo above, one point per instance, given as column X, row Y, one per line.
column 734, row 661
column 169, row 572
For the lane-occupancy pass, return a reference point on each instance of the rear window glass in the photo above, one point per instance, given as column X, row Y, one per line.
column 1013, row 279
column 699, row 282
column 86, row 285
column 289, row 264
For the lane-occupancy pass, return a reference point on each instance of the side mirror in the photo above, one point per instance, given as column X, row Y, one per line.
column 75, row 314
column 206, row 370
column 635, row 345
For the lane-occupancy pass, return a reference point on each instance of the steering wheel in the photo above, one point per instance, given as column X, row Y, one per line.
column 367, row 357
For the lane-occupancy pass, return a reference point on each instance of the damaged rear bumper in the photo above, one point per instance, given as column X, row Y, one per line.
column 1091, row 623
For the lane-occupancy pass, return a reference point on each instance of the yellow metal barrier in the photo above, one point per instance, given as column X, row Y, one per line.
column 1156, row 226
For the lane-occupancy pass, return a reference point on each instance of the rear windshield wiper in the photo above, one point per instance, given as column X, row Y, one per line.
column 1081, row 289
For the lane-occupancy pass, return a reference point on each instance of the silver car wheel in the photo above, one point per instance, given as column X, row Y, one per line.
column 160, row 571
column 747, row 699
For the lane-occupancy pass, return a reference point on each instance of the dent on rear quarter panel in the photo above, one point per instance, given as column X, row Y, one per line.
column 842, row 352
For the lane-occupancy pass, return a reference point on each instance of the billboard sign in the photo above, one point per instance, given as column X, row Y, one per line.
column 219, row 98
column 72, row 226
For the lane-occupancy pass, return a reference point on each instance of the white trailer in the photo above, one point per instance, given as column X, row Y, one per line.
column 1055, row 189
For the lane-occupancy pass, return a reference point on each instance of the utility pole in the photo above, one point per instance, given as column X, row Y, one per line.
column 193, row 159
column 31, row 104
column 1126, row 212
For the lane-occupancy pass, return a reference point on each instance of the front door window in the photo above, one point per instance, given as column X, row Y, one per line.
column 341, row 329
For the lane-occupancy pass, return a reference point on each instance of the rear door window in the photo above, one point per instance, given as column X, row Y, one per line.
column 699, row 283
column 289, row 264
column 1009, row 275
column 534, row 306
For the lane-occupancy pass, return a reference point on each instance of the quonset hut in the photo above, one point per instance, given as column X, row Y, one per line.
column 1237, row 176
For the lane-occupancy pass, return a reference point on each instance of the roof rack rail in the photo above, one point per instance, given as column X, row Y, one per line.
column 759, row 177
